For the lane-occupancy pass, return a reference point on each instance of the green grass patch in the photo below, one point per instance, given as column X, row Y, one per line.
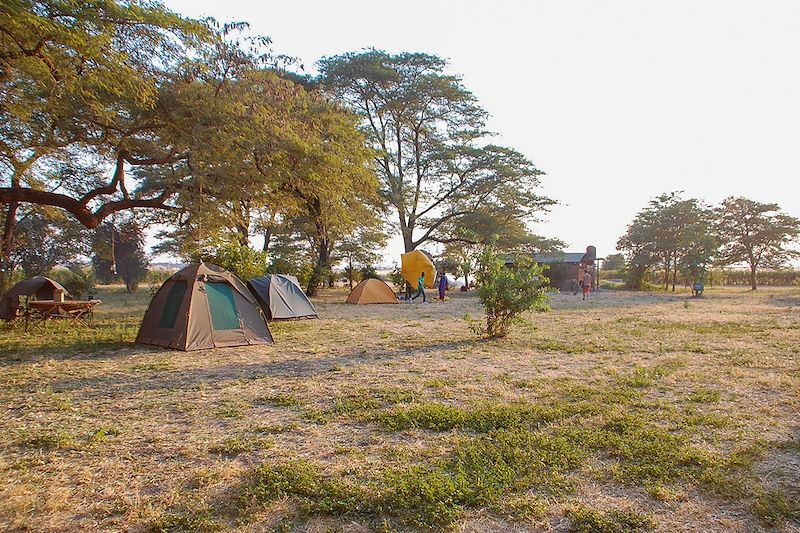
column 101, row 434
column 197, row 521
column 585, row 520
column 478, row 472
column 480, row 416
column 49, row 440
column 641, row 377
column 281, row 400
column 776, row 506
column 705, row 396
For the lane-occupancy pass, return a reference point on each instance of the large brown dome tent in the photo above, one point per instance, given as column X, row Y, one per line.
column 37, row 287
column 281, row 297
column 372, row 291
column 203, row 306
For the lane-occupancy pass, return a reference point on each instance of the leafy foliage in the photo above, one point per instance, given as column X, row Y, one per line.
column 756, row 234
column 79, row 281
column 427, row 131
column 240, row 259
column 45, row 238
column 119, row 253
column 508, row 291
column 673, row 233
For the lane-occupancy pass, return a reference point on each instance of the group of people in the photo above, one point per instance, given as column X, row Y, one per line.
column 584, row 280
column 421, row 287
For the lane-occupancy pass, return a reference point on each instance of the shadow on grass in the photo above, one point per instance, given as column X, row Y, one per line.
column 216, row 377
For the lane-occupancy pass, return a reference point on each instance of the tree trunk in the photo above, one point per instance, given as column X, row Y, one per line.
column 674, row 271
column 267, row 238
column 320, row 269
column 753, row 285
column 350, row 271
column 408, row 238
column 242, row 234
column 666, row 271
column 7, row 246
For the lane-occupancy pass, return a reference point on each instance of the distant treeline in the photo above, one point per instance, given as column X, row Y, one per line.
column 717, row 277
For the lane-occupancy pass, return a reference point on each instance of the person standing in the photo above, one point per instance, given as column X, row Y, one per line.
column 420, row 289
column 442, row 285
column 586, row 283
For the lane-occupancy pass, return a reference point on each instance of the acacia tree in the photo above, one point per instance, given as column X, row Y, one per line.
column 670, row 232
column 44, row 238
column 361, row 248
column 119, row 253
column 428, row 134
column 79, row 82
column 755, row 233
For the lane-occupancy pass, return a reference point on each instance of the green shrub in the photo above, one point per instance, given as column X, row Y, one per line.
column 77, row 280
column 508, row 291
column 242, row 260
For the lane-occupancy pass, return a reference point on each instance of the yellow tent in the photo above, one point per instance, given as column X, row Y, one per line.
column 413, row 264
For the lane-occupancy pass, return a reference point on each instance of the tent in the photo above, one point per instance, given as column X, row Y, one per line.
column 372, row 291
column 415, row 262
column 38, row 287
column 203, row 306
column 281, row 297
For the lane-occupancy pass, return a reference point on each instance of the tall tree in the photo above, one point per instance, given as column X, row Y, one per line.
column 119, row 253
column 79, row 82
column 45, row 238
column 670, row 232
column 361, row 248
column 755, row 233
column 428, row 134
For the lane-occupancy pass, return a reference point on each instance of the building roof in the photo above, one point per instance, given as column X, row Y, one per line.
column 563, row 257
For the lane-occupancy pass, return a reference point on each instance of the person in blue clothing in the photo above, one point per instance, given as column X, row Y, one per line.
column 420, row 289
column 442, row 285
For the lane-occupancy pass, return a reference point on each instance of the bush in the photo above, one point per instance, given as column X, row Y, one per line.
column 396, row 277
column 242, row 260
column 368, row 271
column 508, row 291
column 157, row 276
column 79, row 281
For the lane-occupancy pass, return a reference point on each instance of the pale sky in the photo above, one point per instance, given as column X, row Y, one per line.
column 617, row 101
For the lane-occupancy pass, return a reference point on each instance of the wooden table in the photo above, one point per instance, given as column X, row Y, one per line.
column 79, row 310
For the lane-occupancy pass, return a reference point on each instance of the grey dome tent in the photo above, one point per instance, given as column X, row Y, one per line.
column 281, row 297
column 203, row 306
column 38, row 287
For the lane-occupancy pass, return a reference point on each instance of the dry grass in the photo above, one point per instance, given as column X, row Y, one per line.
column 628, row 410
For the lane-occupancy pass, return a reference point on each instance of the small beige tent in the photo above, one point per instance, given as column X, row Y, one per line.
column 372, row 291
column 203, row 306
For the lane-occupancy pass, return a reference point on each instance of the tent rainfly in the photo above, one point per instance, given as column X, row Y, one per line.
column 281, row 297
column 38, row 287
column 413, row 264
column 203, row 306
column 372, row 291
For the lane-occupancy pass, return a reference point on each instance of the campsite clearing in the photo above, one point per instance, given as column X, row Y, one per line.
column 630, row 410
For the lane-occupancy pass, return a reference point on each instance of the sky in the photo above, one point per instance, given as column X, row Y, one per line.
column 617, row 101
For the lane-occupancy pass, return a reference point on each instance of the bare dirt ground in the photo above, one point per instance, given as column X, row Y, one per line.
column 131, row 438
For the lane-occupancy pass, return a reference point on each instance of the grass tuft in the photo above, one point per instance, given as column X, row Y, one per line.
column 584, row 520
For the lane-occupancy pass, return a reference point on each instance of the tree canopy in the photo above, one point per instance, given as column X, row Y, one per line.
column 758, row 234
column 671, row 232
column 431, row 155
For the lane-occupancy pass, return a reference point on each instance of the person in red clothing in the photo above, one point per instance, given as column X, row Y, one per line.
column 586, row 283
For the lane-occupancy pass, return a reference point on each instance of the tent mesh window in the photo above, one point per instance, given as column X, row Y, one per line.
column 222, row 305
column 173, row 304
